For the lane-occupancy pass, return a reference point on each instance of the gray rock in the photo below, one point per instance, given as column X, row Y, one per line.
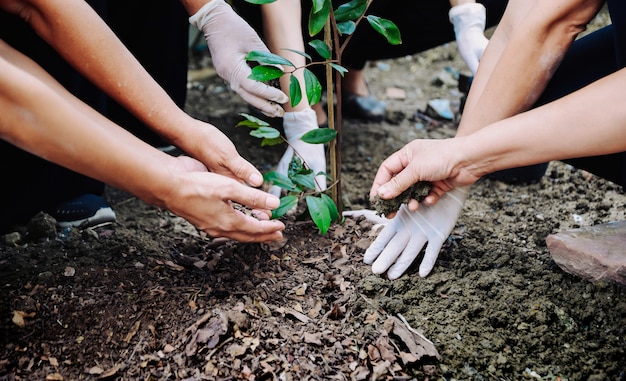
column 596, row 253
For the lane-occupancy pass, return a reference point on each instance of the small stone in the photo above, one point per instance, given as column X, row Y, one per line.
column 594, row 253
column 417, row 192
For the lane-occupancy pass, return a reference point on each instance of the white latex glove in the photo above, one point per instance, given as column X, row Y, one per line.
column 404, row 236
column 230, row 38
column 469, row 21
column 296, row 124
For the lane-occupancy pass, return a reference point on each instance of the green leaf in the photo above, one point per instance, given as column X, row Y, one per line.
column 304, row 54
column 264, row 73
column 317, row 5
column 306, row 181
column 286, row 204
column 280, row 180
column 252, row 121
column 260, row 2
column 312, row 86
column 318, row 17
column 350, row 11
column 346, row 27
column 321, row 48
column 342, row 70
column 387, row 28
column 265, row 133
column 267, row 58
column 319, row 213
column 319, row 136
column 295, row 91
column 332, row 207
column 272, row 141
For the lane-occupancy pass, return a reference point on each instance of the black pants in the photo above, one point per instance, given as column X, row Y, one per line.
column 423, row 25
column 156, row 33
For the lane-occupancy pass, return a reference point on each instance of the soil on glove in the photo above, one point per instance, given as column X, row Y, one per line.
column 151, row 298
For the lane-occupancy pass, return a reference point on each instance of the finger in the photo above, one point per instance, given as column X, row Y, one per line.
column 398, row 184
column 386, row 172
column 250, row 229
column 264, row 91
column 244, row 171
column 390, row 253
column 379, row 244
column 430, row 257
column 406, row 259
column 262, row 215
column 368, row 214
column 268, row 108
column 250, row 197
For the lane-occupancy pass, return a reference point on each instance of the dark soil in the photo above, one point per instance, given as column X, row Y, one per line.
column 150, row 298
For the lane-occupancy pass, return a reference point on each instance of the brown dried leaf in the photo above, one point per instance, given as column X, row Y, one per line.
column 417, row 343
column 133, row 332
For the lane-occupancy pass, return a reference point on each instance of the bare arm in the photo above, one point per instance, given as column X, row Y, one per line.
column 588, row 122
column 40, row 116
column 282, row 28
column 522, row 55
column 87, row 43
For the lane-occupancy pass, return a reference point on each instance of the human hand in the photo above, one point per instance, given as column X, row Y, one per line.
column 296, row 124
column 469, row 28
column 209, row 145
column 206, row 199
column 404, row 236
column 230, row 39
column 442, row 162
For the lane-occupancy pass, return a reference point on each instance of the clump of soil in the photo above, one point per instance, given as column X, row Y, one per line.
column 417, row 191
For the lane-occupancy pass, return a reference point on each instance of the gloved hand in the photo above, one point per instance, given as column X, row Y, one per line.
column 229, row 39
column 469, row 28
column 296, row 124
column 403, row 237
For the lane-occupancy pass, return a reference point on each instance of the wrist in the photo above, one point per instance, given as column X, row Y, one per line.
column 467, row 13
column 201, row 16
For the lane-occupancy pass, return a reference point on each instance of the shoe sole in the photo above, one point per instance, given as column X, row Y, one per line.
column 103, row 215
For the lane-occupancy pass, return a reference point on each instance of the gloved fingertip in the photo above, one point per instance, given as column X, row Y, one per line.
column 379, row 267
column 425, row 270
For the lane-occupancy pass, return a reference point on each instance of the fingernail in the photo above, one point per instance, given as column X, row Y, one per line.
column 272, row 202
column 256, row 179
column 382, row 191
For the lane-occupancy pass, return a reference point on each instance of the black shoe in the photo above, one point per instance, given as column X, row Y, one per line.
column 358, row 107
column 83, row 211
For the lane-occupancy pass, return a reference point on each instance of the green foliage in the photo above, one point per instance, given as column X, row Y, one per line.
column 386, row 28
column 300, row 180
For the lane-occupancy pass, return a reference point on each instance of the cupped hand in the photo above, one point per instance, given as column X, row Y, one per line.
column 207, row 200
column 435, row 160
column 216, row 151
column 230, row 39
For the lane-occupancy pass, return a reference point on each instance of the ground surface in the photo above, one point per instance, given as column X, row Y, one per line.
column 149, row 298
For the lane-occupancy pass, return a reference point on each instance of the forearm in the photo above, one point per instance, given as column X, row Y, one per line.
column 521, row 57
column 589, row 122
column 43, row 121
column 454, row 3
column 86, row 42
column 282, row 29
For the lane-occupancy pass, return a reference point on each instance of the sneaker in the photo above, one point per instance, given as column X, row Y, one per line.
column 83, row 211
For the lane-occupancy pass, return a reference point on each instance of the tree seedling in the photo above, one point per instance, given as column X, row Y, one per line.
column 338, row 26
